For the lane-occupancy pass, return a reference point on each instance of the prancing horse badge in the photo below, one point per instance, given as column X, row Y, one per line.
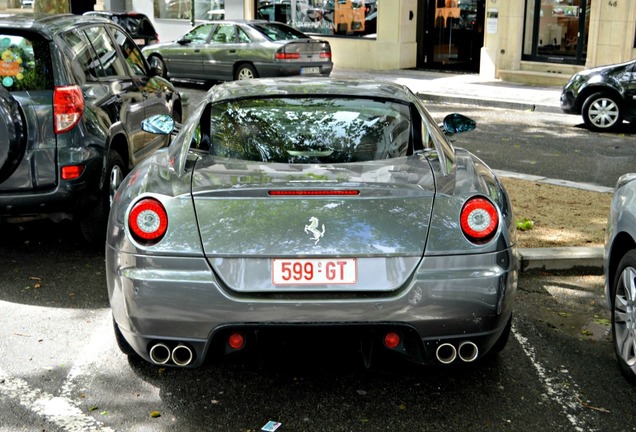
column 312, row 229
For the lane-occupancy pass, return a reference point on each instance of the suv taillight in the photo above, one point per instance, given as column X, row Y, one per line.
column 68, row 107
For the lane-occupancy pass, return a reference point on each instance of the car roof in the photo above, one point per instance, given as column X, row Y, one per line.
column 299, row 86
column 116, row 13
column 47, row 24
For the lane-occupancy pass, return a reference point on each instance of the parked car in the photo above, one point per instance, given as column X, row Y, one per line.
column 238, row 50
column 620, row 272
column 74, row 92
column 602, row 95
column 138, row 25
column 296, row 204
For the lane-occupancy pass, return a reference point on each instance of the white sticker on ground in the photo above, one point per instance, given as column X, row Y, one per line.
column 566, row 396
column 59, row 411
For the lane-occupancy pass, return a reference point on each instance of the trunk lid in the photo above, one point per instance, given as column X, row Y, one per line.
column 251, row 214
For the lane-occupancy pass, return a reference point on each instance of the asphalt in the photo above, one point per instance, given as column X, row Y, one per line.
column 472, row 89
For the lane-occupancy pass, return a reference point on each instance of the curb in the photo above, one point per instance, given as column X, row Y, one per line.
column 489, row 103
column 561, row 258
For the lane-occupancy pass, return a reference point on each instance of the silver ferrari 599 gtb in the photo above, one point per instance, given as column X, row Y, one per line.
column 311, row 205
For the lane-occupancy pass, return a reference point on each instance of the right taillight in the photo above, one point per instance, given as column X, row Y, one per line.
column 68, row 107
column 148, row 221
column 479, row 219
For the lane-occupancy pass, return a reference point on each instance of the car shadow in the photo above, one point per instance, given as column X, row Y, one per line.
column 49, row 264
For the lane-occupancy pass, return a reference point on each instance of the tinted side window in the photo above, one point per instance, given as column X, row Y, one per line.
column 85, row 63
column 132, row 53
column 111, row 63
column 25, row 62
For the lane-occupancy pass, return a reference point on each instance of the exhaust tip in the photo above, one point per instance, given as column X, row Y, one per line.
column 159, row 353
column 468, row 351
column 182, row 355
column 446, row 353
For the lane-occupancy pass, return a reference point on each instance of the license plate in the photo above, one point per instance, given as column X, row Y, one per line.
column 314, row 271
column 310, row 70
column 140, row 42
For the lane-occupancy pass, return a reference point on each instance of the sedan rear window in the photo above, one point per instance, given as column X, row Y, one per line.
column 25, row 63
column 279, row 32
column 310, row 130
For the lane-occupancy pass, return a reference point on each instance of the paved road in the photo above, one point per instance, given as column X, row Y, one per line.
column 61, row 370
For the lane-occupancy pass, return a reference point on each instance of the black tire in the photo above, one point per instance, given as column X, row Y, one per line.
column 159, row 66
column 93, row 224
column 245, row 71
column 12, row 126
column 602, row 112
column 623, row 296
column 122, row 344
column 503, row 339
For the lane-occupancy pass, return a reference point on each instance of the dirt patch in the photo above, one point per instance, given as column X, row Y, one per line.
column 561, row 216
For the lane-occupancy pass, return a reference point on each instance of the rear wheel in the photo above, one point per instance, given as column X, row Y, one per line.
column 93, row 224
column 245, row 72
column 159, row 66
column 122, row 344
column 12, row 129
column 623, row 298
column 602, row 112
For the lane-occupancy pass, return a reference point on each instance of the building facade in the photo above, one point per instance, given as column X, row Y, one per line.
column 529, row 41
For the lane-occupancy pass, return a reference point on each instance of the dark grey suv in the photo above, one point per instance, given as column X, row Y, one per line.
column 604, row 96
column 74, row 92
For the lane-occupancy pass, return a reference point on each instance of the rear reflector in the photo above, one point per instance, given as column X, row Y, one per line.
column 392, row 340
column 68, row 107
column 71, row 172
column 289, row 192
column 479, row 220
column 236, row 341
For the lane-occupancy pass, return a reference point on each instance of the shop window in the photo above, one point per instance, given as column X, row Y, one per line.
column 355, row 18
column 183, row 9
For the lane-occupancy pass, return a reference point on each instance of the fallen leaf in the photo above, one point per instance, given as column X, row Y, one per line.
column 155, row 414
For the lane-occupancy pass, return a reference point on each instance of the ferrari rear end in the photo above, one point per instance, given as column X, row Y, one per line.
column 333, row 208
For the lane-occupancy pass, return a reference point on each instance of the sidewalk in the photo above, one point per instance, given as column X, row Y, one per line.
column 472, row 89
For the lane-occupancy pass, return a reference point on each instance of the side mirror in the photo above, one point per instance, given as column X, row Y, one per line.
column 159, row 124
column 456, row 123
column 183, row 41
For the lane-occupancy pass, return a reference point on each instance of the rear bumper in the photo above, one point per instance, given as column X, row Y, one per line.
column 179, row 300
column 271, row 70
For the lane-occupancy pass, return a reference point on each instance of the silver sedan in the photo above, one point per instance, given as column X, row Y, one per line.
column 292, row 205
column 238, row 50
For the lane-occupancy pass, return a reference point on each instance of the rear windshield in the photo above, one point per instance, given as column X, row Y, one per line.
column 135, row 24
column 25, row 63
column 310, row 130
column 278, row 32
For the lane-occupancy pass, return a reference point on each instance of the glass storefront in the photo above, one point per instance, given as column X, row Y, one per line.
column 556, row 30
column 357, row 18
column 453, row 34
column 183, row 9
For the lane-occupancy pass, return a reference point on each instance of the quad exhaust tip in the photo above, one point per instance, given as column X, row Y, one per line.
column 161, row 354
column 467, row 352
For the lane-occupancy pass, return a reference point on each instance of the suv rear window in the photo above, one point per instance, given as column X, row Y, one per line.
column 25, row 63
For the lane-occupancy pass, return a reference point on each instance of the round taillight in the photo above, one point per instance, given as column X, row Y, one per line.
column 148, row 221
column 479, row 219
column 236, row 341
column 392, row 340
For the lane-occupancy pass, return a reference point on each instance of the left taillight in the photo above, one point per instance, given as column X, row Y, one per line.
column 68, row 107
column 148, row 221
column 479, row 220
column 281, row 54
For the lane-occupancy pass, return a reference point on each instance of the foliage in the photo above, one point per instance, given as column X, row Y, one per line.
column 51, row 6
column 525, row 224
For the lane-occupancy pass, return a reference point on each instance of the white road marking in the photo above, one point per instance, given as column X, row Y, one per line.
column 60, row 411
column 567, row 397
